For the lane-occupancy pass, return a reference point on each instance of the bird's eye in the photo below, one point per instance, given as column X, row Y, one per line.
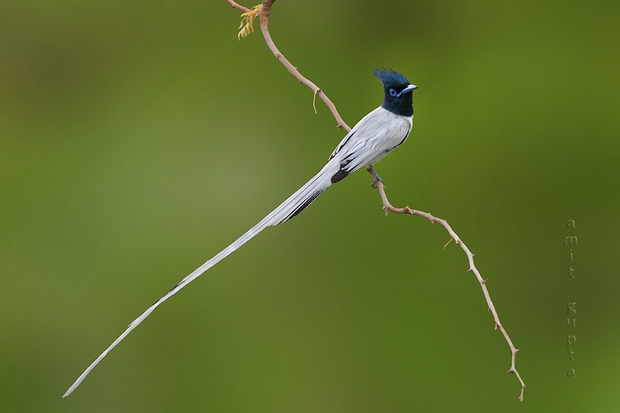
column 392, row 92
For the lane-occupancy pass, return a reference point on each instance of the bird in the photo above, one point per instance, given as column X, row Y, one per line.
column 371, row 139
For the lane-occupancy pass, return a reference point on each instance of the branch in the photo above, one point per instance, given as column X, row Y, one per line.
column 237, row 6
column 264, row 22
column 387, row 207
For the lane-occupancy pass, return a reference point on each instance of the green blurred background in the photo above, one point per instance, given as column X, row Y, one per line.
column 138, row 138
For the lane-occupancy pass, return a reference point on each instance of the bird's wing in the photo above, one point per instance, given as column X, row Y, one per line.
column 377, row 134
column 353, row 137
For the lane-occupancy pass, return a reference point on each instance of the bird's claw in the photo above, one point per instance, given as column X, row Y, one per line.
column 374, row 173
column 374, row 183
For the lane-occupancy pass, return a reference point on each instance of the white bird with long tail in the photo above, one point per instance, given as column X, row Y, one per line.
column 377, row 134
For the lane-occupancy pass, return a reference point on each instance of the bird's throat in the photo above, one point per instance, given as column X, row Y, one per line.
column 402, row 106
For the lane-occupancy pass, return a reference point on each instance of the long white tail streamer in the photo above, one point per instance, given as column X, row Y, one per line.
column 288, row 209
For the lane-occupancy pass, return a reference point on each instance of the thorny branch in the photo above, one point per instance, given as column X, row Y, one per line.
column 264, row 12
column 387, row 207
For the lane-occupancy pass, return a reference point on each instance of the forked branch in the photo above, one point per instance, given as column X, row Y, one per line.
column 264, row 12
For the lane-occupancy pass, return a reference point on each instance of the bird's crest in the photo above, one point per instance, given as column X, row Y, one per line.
column 391, row 78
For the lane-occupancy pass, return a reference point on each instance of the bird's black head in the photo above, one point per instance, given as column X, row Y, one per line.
column 398, row 93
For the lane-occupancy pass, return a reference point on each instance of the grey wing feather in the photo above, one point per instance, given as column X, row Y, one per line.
column 371, row 139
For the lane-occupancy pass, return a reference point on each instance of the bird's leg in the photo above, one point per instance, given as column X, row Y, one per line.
column 374, row 173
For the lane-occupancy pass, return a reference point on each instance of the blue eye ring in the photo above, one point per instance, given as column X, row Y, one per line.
column 392, row 92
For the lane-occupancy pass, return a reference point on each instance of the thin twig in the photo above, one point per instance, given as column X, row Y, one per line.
column 387, row 207
column 238, row 6
column 264, row 21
